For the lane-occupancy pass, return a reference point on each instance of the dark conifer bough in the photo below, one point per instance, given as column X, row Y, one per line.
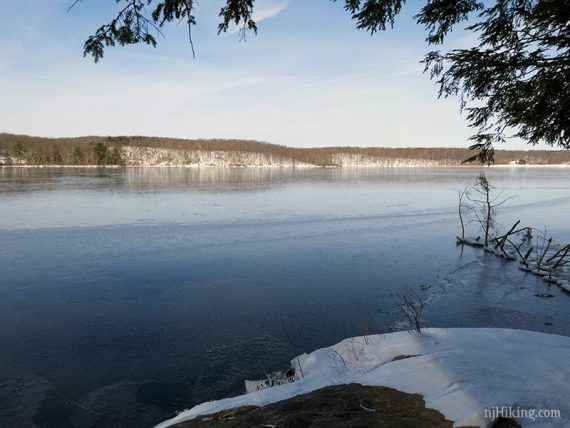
column 513, row 83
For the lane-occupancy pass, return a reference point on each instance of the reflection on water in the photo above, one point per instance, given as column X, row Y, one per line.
column 148, row 178
column 69, row 197
column 45, row 179
column 129, row 289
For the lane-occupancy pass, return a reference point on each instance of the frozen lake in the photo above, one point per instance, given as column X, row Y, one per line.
column 128, row 294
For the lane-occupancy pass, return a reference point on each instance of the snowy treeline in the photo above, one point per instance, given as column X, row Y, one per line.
column 136, row 150
column 360, row 160
column 151, row 156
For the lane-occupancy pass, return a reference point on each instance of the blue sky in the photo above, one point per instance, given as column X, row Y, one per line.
column 309, row 78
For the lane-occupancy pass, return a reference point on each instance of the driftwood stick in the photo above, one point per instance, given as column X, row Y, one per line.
column 510, row 232
column 472, row 242
column 539, row 261
column 501, row 240
column 513, row 233
column 462, row 196
column 518, row 251
column 504, row 239
column 560, row 261
column 560, row 251
column 523, row 229
column 518, row 246
column 528, row 253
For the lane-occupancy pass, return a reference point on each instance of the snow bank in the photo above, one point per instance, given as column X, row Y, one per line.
column 460, row 372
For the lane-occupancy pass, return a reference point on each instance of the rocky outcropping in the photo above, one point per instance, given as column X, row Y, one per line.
column 333, row 406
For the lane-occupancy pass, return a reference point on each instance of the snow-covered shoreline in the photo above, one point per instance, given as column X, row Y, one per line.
column 466, row 374
column 141, row 156
column 434, row 166
column 556, row 165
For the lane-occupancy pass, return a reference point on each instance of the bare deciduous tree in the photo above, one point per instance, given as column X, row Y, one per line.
column 463, row 206
column 412, row 306
column 486, row 203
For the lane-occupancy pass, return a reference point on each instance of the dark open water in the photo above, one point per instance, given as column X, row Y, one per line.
column 128, row 294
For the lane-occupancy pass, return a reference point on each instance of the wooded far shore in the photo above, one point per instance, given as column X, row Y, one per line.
column 21, row 150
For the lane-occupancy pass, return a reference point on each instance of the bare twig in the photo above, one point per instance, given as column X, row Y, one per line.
column 412, row 306
column 562, row 250
column 292, row 345
column 500, row 242
column 561, row 261
column 547, row 247
column 462, row 196
column 517, row 248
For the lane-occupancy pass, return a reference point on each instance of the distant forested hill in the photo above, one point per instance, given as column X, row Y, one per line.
column 26, row 150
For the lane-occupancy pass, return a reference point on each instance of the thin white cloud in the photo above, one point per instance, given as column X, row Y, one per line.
column 263, row 10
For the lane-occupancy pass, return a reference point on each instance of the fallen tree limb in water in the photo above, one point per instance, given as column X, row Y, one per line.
column 544, row 259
